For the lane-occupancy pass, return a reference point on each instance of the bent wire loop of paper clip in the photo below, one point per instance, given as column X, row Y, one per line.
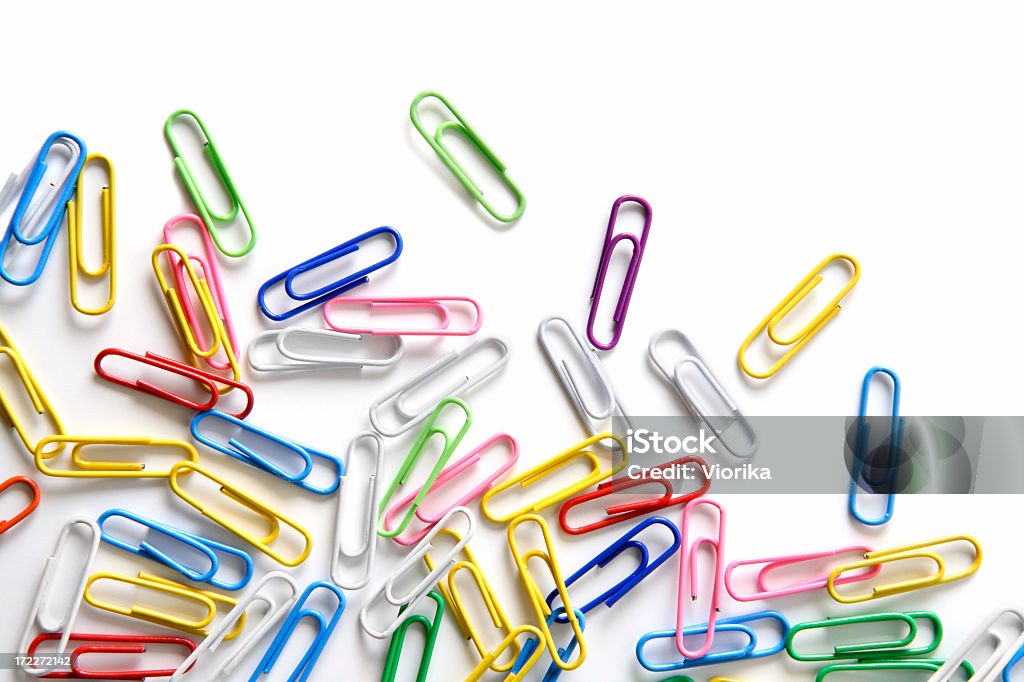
column 440, row 306
column 366, row 551
column 327, row 350
column 77, row 266
column 889, row 480
column 431, row 629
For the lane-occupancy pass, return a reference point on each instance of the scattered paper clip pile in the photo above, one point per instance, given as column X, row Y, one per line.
column 217, row 584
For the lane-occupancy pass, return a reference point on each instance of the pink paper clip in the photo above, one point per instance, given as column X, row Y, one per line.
column 438, row 305
column 211, row 272
column 806, row 585
column 688, row 556
column 448, row 473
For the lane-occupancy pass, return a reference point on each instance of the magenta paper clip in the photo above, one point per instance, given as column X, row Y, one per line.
column 439, row 306
column 211, row 273
column 807, row 584
column 447, row 474
column 689, row 553
column 612, row 240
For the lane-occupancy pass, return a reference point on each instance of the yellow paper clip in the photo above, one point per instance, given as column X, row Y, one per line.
column 910, row 552
column 219, row 339
column 457, row 607
column 87, row 468
column 549, row 467
column 511, row 640
column 35, row 393
column 786, row 305
column 76, row 257
column 195, row 626
column 540, row 607
column 273, row 518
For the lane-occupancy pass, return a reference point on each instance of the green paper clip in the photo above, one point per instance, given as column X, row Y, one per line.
column 887, row 649
column 431, row 628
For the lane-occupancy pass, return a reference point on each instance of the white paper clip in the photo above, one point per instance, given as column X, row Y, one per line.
column 673, row 372
column 398, row 400
column 283, row 355
column 277, row 606
column 367, row 551
column 417, row 593
column 42, row 612
column 1003, row 633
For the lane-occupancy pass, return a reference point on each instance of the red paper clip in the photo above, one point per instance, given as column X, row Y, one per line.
column 208, row 380
column 24, row 480
column 630, row 510
column 124, row 644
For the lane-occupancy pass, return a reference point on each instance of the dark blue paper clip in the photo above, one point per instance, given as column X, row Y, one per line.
column 618, row 591
column 311, row 299
column 735, row 624
column 299, row 611
column 243, row 453
column 565, row 653
column 860, row 449
column 47, row 236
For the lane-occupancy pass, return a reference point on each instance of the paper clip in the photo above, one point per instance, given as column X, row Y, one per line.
column 108, row 644
column 287, row 358
column 253, row 453
column 325, row 626
column 618, row 513
column 544, row 469
column 438, row 305
column 510, row 641
column 449, row 473
column 804, row 585
column 674, row 374
column 1011, row 664
column 916, row 664
column 688, row 558
column 899, row 647
column 637, row 247
column 397, row 400
column 214, row 221
column 198, row 544
column 88, row 468
column 28, row 509
column 625, row 543
column 860, row 450
column 450, row 443
column 40, row 403
column 419, row 591
column 211, row 275
column 533, row 644
column 540, row 607
column 76, row 257
column 40, row 209
column 786, row 306
column 275, row 607
column 457, row 124
column 274, row 519
column 431, row 629
column 40, row 613
column 207, row 380
column 452, row 596
column 907, row 553
column 365, row 552
column 992, row 634
column 739, row 624
column 318, row 296
column 594, row 418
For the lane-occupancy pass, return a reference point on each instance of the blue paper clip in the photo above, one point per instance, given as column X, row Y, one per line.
column 243, row 453
column 609, row 554
column 735, row 624
column 565, row 653
column 430, row 627
column 860, row 448
column 1011, row 664
column 311, row 299
column 29, row 204
column 205, row 546
column 299, row 611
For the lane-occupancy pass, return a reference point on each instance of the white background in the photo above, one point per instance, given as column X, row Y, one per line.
column 765, row 137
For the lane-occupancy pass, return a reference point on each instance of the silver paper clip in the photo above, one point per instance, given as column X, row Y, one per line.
column 405, row 417
column 417, row 593
column 276, row 606
column 284, row 356
column 367, row 551
column 990, row 635
column 674, row 375
column 40, row 614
